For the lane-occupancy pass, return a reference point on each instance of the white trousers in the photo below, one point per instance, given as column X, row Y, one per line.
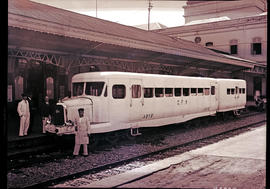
column 77, row 149
column 24, row 125
column 44, row 121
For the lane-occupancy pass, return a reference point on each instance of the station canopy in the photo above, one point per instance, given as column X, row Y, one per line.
column 41, row 27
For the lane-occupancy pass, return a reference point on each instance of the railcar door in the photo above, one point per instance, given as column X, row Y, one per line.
column 236, row 96
column 118, row 100
column 213, row 96
column 136, row 100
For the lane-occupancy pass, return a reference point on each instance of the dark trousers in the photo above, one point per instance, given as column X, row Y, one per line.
column 32, row 115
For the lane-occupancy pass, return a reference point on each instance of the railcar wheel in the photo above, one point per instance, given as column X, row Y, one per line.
column 187, row 124
column 93, row 143
column 112, row 138
column 129, row 136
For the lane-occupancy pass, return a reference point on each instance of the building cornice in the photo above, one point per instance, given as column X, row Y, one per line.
column 221, row 6
column 246, row 21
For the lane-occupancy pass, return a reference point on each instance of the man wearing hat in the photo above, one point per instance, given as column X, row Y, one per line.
column 82, row 125
column 23, row 111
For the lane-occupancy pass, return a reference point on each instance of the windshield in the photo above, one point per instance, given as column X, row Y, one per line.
column 94, row 88
column 78, row 89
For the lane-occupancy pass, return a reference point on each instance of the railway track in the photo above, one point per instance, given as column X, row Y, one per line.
column 87, row 179
column 227, row 127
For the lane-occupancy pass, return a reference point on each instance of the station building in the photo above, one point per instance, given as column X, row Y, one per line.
column 236, row 28
column 48, row 45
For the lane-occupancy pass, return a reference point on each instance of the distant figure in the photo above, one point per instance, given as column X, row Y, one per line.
column 82, row 125
column 24, row 113
column 46, row 111
column 31, row 108
column 259, row 103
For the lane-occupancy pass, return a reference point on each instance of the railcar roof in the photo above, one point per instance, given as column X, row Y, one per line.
column 129, row 75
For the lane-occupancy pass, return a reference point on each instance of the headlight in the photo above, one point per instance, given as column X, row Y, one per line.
column 69, row 123
column 48, row 121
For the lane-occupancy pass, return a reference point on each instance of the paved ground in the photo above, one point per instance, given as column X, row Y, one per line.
column 237, row 162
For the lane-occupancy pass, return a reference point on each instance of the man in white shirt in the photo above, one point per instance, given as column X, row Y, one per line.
column 82, row 125
column 23, row 111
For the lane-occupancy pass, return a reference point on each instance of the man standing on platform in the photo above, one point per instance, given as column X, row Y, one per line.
column 82, row 125
column 23, row 111
column 45, row 113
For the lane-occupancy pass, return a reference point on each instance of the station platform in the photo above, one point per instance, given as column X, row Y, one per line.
column 236, row 162
column 13, row 126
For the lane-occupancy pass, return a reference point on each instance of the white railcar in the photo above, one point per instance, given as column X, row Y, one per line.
column 121, row 100
column 232, row 94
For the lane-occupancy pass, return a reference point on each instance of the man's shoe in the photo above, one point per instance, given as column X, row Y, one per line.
column 73, row 156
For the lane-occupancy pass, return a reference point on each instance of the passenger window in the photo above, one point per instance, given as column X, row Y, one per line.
column 136, row 91
column 193, row 91
column 243, row 90
column 186, row 91
column 228, row 91
column 232, row 91
column 213, row 90
column 206, row 91
column 177, row 92
column 168, row 92
column 119, row 91
column 200, row 91
column 77, row 88
column 148, row 92
column 159, row 92
column 94, row 88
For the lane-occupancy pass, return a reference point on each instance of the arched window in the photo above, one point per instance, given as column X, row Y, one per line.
column 50, row 87
column 18, row 87
column 256, row 46
column 234, row 46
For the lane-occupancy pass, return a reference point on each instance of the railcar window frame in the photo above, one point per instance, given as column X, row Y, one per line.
column 193, row 91
column 77, row 88
column 94, row 88
column 136, row 91
column 232, row 91
column 200, row 92
column 228, row 91
column 149, row 91
column 169, row 92
column 177, row 93
column 206, row 91
column 186, row 91
column 117, row 89
column 159, row 92
column 213, row 90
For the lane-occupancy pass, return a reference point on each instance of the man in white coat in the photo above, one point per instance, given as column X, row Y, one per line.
column 82, row 126
column 24, row 113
